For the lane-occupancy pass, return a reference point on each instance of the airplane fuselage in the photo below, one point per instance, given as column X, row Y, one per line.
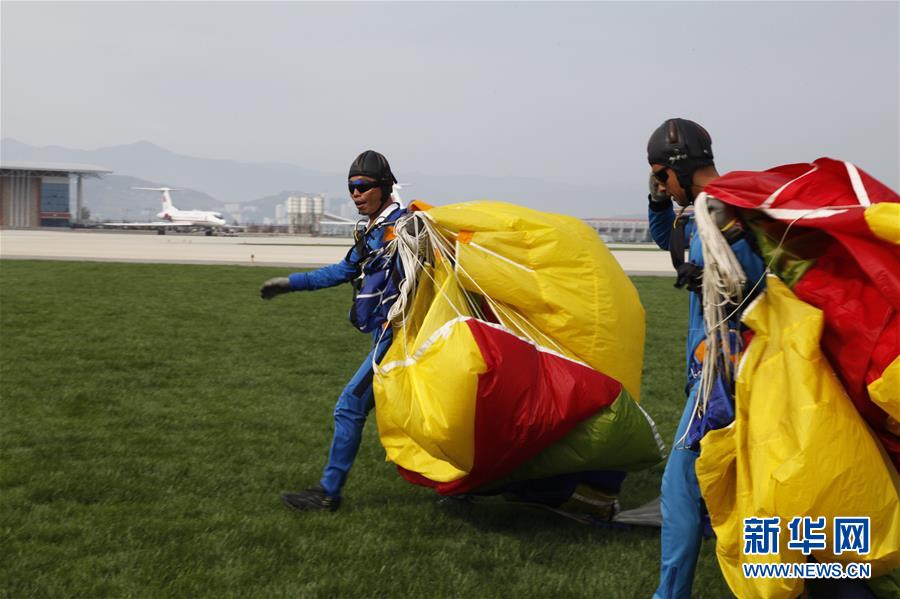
column 199, row 218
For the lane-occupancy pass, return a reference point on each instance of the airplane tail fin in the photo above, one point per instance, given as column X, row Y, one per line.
column 167, row 202
column 165, row 197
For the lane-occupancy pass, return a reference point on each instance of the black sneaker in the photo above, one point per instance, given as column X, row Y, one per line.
column 310, row 500
column 589, row 501
column 458, row 499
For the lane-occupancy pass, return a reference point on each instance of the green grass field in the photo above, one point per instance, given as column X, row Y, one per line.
column 152, row 413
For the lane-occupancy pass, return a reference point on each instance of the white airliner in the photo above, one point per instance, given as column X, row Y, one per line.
column 171, row 218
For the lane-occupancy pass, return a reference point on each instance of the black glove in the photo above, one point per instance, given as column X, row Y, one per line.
column 691, row 276
column 659, row 199
column 274, row 287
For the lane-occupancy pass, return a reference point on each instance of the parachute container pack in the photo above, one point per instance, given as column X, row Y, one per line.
column 516, row 355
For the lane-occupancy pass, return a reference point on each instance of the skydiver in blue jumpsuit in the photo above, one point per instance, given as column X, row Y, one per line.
column 681, row 159
column 370, row 182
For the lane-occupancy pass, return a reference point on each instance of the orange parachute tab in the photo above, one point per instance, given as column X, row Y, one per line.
column 419, row 206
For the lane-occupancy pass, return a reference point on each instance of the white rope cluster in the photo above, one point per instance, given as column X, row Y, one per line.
column 723, row 284
column 412, row 246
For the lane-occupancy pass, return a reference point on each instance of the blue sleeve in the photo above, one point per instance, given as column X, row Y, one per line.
column 661, row 225
column 751, row 262
column 327, row 276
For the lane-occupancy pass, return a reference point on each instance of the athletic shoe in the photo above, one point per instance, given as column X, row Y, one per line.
column 310, row 500
column 586, row 500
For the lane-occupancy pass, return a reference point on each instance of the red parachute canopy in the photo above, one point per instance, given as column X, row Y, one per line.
column 851, row 274
column 527, row 400
column 829, row 195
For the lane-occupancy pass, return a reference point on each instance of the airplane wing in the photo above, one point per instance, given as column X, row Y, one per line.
column 159, row 223
column 178, row 224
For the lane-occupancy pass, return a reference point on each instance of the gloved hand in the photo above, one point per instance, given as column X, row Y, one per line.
column 274, row 287
column 690, row 275
column 659, row 199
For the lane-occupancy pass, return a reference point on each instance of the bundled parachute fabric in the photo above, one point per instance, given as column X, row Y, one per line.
column 831, row 232
column 797, row 447
column 554, row 271
column 517, row 352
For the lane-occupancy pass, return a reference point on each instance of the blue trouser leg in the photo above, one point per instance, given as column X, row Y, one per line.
column 354, row 404
column 681, row 516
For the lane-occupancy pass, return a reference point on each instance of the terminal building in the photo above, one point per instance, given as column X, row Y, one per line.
column 621, row 230
column 37, row 194
column 306, row 215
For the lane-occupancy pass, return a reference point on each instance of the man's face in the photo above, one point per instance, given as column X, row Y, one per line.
column 667, row 182
column 369, row 201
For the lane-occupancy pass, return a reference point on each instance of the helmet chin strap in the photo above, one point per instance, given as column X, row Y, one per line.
column 686, row 180
column 385, row 200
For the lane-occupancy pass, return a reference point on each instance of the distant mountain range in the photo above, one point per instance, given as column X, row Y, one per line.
column 258, row 187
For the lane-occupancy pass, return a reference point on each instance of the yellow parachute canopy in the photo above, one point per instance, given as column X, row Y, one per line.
column 797, row 447
column 884, row 220
column 544, row 280
column 554, row 270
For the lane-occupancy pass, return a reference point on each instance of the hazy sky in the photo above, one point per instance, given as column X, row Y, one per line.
column 559, row 91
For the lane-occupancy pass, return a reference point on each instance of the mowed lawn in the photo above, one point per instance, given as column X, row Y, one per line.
column 152, row 413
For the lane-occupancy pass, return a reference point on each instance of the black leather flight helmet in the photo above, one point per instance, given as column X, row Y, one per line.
column 683, row 146
column 372, row 164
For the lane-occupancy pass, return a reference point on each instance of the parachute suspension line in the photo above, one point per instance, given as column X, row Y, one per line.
column 499, row 310
column 500, row 257
column 470, row 300
column 510, row 318
column 411, row 239
column 776, row 254
column 443, row 251
column 407, row 248
column 421, row 245
column 410, row 245
column 723, row 283
column 416, row 241
column 413, row 245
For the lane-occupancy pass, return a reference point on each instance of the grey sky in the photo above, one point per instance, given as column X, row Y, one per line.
column 558, row 91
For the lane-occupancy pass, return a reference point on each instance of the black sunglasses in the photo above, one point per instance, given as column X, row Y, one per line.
column 662, row 175
column 362, row 186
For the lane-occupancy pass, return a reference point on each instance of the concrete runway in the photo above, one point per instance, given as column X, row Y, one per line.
column 246, row 250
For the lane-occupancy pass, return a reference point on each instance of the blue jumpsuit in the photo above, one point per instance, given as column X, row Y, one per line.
column 682, row 505
column 357, row 399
